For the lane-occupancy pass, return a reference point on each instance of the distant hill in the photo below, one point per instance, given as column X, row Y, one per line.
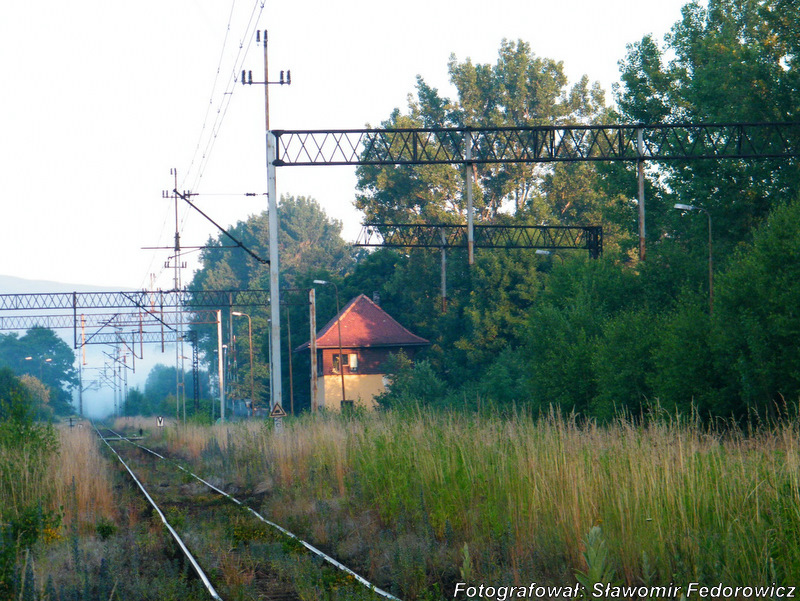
column 14, row 285
column 96, row 403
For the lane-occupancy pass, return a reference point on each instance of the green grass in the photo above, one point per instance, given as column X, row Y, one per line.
column 399, row 495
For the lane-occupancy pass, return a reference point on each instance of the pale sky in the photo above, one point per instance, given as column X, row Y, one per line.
column 101, row 98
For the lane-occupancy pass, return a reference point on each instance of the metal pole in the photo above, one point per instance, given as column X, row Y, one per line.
column 470, row 209
column 341, row 355
column 640, row 168
column 220, row 368
column 269, row 352
column 710, row 267
column 444, row 272
column 276, row 396
column 250, row 346
column 80, row 388
column 312, row 347
column 252, row 377
column 289, row 342
column 83, row 358
column 685, row 207
column 231, row 364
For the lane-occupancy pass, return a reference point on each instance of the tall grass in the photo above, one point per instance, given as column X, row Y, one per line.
column 26, row 493
column 676, row 502
column 81, row 479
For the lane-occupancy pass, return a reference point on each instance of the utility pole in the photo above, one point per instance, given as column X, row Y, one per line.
column 312, row 345
column 180, row 384
column 470, row 208
column 276, row 395
column 220, row 368
column 444, row 272
column 640, row 170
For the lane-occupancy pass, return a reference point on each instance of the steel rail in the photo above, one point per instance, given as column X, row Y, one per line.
column 200, row 573
column 291, row 535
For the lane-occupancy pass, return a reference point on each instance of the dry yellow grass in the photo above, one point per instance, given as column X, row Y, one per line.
column 671, row 497
column 82, row 478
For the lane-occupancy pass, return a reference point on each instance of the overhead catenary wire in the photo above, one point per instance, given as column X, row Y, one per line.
column 227, row 95
column 209, row 131
column 223, row 230
column 216, row 79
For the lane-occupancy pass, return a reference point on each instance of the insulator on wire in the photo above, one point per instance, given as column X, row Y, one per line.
column 282, row 78
column 258, row 36
column 250, row 77
column 243, row 73
column 289, row 78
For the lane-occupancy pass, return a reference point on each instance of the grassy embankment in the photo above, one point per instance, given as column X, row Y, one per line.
column 72, row 530
column 420, row 501
column 423, row 500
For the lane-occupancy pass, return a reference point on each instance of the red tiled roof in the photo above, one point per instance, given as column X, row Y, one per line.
column 365, row 324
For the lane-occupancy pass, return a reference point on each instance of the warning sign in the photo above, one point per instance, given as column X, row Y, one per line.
column 277, row 411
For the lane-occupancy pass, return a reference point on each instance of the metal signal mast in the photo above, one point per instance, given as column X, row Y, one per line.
column 272, row 197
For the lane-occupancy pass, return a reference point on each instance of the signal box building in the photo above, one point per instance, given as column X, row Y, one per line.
column 369, row 336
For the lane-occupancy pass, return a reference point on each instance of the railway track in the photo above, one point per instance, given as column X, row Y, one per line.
column 218, row 534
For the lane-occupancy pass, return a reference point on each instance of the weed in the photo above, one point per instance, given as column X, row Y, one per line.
column 598, row 561
column 105, row 528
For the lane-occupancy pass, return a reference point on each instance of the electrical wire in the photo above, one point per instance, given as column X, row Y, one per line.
column 216, row 79
column 224, row 105
column 196, row 168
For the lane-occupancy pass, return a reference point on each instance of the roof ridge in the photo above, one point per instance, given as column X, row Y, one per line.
column 369, row 310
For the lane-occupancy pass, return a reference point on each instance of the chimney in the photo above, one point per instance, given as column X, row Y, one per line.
column 376, row 297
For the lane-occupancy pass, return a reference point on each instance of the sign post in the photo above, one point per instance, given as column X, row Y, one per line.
column 278, row 414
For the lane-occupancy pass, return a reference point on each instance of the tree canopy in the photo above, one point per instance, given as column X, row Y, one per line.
column 310, row 245
column 520, row 89
column 532, row 331
column 41, row 354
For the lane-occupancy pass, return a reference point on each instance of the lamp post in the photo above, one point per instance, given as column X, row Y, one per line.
column 548, row 253
column 684, row 207
column 339, row 324
column 42, row 362
column 250, row 339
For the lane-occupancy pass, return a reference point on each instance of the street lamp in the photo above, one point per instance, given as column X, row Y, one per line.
column 250, row 338
column 548, row 253
column 41, row 364
column 339, row 323
column 684, row 207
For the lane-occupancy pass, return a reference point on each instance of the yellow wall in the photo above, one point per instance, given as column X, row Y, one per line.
column 361, row 388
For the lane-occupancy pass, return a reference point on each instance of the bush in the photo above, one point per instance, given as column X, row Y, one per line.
column 411, row 384
column 757, row 316
column 623, row 362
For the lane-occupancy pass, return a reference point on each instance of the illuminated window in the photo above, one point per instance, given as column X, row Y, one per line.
column 337, row 362
column 348, row 359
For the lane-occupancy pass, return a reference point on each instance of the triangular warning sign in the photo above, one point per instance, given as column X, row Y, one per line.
column 277, row 411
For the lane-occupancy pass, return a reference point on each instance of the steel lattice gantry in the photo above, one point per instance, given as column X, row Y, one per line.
column 139, row 299
column 540, row 144
column 557, row 143
column 140, row 316
column 561, row 143
column 441, row 235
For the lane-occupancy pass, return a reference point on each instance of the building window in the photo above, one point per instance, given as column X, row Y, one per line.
column 337, row 363
column 349, row 360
